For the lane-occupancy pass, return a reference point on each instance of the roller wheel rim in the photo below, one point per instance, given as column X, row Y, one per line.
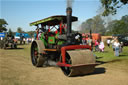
column 66, row 70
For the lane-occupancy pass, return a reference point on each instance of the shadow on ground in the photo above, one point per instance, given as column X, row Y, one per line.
column 14, row 48
column 99, row 70
column 123, row 55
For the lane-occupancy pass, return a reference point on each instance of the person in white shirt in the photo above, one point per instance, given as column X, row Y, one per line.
column 116, row 46
column 108, row 42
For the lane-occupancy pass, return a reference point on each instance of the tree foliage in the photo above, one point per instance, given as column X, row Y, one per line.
column 19, row 30
column 10, row 32
column 112, row 5
column 118, row 26
column 95, row 24
column 3, row 24
column 125, row 18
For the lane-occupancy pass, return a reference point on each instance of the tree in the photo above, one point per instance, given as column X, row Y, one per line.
column 19, row 30
column 95, row 24
column 118, row 26
column 10, row 32
column 110, row 6
column 3, row 24
column 110, row 27
column 125, row 18
column 98, row 25
column 86, row 26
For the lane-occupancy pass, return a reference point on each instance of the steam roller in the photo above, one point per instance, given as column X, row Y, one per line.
column 61, row 46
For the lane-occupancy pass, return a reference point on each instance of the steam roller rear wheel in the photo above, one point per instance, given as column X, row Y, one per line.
column 81, row 62
column 37, row 48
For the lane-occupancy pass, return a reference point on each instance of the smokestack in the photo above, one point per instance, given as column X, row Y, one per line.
column 69, row 20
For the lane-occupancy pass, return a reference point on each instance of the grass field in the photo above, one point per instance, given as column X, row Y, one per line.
column 112, row 61
column 16, row 69
column 108, row 55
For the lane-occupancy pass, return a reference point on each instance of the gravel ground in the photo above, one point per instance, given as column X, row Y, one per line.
column 16, row 69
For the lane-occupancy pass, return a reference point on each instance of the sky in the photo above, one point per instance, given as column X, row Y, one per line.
column 20, row 13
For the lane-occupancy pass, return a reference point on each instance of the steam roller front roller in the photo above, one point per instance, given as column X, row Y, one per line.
column 37, row 47
column 82, row 62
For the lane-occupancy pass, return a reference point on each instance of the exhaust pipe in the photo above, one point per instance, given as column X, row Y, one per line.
column 69, row 24
column 69, row 20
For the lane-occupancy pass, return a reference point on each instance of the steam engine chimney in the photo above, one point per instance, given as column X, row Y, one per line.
column 69, row 24
column 69, row 20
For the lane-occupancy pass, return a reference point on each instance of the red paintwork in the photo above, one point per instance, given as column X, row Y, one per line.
column 51, row 40
column 71, row 47
column 48, row 30
column 63, row 64
column 60, row 28
column 35, row 53
column 56, row 32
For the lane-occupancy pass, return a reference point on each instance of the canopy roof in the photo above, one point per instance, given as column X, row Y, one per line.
column 53, row 20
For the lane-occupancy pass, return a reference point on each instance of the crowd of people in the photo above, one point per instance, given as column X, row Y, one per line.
column 98, row 46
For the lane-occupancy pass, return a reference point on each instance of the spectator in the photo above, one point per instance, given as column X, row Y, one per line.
column 24, row 40
column 101, row 46
column 27, row 41
column 32, row 39
column 39, row 34
column 116, row 45
column 121, row 47
column 108, row 42
column 1, row 38
column 96, row 45
column 84, row 42
column 89, row 41
column 113, row 44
